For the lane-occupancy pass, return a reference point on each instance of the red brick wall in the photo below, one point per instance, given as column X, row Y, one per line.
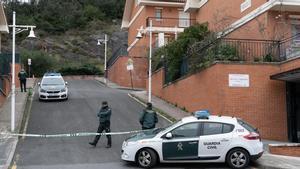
column 119, row 74
column 262, row 104
column 285, row 150
column 7, row 84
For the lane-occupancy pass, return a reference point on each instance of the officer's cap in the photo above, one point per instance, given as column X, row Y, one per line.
column 104, row 103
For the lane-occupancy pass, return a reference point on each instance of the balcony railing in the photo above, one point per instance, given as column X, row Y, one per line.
column 250, row 49
column 170, row 22
column 254, row 50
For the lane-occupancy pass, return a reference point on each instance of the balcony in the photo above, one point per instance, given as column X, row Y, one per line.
column 286, row 5
column 253, row 50
column 170, row 22
column 193, row 5
column 172, row 3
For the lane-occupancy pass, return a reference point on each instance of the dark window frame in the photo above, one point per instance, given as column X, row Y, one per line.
column 202, row 128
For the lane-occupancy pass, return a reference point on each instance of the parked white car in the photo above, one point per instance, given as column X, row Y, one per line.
column 196, row 139
column 53, row 86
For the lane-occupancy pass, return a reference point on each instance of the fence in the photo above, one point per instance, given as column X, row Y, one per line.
column 226, row 49
column 5, row 60
column 171, row 22
column 121, row 51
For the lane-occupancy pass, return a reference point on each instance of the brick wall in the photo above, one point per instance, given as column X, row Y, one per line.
column 7, row 84
column 119, row 74
column 285, row 150
column 262, row 104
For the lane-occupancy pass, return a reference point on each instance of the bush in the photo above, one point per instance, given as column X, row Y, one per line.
column 227, row 53
column 86, row 69
column 41, row 62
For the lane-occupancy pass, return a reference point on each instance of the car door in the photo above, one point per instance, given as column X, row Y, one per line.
column 183, row 145
column 214, row 139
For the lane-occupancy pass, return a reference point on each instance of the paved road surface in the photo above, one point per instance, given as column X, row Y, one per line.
column 78, row 114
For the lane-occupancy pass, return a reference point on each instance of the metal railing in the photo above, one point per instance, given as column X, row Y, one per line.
column 250, row 49
column 170, row 22
column 121, row 51
column 290, row 47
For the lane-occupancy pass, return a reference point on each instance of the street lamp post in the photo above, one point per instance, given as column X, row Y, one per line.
column 139, row 36
column 21, row 28
column 105, row 54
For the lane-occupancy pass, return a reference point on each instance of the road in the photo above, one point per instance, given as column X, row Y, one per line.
column 78, row 114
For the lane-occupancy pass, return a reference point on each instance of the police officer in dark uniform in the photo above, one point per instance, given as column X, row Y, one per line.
column 22, row 77
column 104, row 124
column 148, row 118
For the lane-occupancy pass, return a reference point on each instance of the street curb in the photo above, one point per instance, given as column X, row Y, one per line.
column 9, row 162
column 121, row 88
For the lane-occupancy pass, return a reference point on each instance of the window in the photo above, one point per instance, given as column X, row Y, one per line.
column 246, row 126
column 216, row 128
column 158, row 14
column 186, row 130
column 212, row 128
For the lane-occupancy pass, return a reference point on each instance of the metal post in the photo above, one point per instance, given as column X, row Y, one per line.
column 150, row 58
column 105, row 55
column 13, row 87
column 131, row 79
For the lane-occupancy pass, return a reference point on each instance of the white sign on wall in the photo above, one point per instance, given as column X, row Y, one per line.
column 238, row 80
column 245, row 5
column 129, row 64
column 161, row 39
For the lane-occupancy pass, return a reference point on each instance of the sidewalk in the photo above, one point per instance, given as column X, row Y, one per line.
column 114, row 85
column 8, row 144
column 267, row 161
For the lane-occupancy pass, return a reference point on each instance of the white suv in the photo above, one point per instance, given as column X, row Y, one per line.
column 196, row 139
column 53, row 86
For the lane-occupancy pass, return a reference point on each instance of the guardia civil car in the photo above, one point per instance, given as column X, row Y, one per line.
column 196, row 139
column 53, row 86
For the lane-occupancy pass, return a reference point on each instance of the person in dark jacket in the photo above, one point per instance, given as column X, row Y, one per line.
column 104, row 124
column 22, row 77
column 148, row 118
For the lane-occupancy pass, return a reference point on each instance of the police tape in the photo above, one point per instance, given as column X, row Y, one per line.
column 80, row 134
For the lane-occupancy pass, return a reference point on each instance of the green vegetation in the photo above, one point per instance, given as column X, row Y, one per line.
column 43, row 62
column 195, row 49
column 86, row 69
column 57, row 16
column 67, row 31
column 176, row 50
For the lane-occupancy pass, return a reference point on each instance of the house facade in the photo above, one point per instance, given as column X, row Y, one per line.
column 262, row 87
column 4, row 78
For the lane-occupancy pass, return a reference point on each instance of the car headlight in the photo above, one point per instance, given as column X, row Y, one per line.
column 129, row 143
column 43, row 91
column 63, row 90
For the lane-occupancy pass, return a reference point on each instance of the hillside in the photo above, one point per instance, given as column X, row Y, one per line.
column 66, row 39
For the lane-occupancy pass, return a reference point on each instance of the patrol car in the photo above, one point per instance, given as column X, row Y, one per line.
column 196, row 138
column 53, row 86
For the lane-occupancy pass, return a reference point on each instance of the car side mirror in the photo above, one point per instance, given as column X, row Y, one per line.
column 169, row 136
column 66, row 83
column 39, row 83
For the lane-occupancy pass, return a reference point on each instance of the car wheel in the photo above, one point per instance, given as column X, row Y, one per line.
column 146, row 158
column 238, row 158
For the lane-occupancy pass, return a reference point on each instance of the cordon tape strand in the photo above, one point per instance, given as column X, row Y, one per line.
column 81, row 134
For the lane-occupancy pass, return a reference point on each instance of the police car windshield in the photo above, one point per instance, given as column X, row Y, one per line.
column 52, row 81
column 171, row 125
